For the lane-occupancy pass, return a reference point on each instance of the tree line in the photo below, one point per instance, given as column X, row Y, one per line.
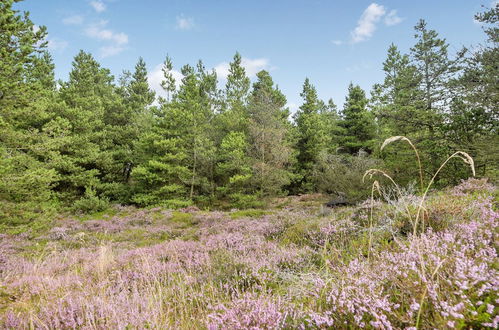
column 92, row 140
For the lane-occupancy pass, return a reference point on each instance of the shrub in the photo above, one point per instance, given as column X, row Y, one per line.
column 244, row 201
column 342, row 174
column 90, row 203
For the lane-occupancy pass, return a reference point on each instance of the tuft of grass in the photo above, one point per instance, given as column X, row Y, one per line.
column 182, row 219
column 299, row 233
column 250, row 213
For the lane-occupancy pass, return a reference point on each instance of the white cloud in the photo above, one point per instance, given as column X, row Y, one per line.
column 155, row 77
column 337, row 42
column 73, row 20
column 56, row 44
column 98, row 31
column 367, row 22
column 252, row 67
column 392, row 19
column 111, row 50
column 184, row 23
column 117, row 40
column 98, row 6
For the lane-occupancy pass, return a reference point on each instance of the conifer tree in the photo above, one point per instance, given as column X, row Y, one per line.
column 434, row 73
column 27, row 89
column 180, row 164
column 358, row 122
column 233, row 167
column 315, row 122
column 473, row 122
column 85, row 159
column 270, row 149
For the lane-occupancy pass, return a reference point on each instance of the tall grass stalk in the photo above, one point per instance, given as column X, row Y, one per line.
column 371, row 172
column 375, row 186
column 403, row 138
column 458, row 154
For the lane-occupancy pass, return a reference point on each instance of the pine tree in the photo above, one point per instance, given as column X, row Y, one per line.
column 396, row 110
column 233, row 167
column 358, row 122
column 168, row 83
column 27, row 89
column 85, row 158
column 179, row 165
column 269, row 143
column 396, row 105
column 473, row 123
column 434, row 73
column 129, row 116
column 315, row 122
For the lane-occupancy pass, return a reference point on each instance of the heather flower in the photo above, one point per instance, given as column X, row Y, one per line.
column 250, row 312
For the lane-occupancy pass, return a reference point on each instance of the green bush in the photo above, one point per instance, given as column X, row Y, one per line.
column 90, row 203
column 244, row 201
column 342, row 174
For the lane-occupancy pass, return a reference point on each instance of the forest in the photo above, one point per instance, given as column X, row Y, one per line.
column 190, row 180
column 94, row 140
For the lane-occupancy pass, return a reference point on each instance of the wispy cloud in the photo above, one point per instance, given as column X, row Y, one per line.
column 56, row 44
column 117, row 40
column 98, row 5
column 252, row 67
column 392, row 18
column 337, row 42
column 98, row 31
column 184, row 23
column 367, row 22
column 73, row 20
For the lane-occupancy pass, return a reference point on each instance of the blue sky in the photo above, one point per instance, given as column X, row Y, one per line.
column 331, row 42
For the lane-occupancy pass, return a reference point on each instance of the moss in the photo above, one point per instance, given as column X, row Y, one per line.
column 250, row 213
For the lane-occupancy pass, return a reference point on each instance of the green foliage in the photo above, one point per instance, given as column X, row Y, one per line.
column 270, row 147
column 182, row 219
column 27, row 90
column 250, row 213
column 357, row 122
column 245, row 201
column 90, row 203
column 89, row 141
column 299, row 232
column 342, row 175
column 316, row 126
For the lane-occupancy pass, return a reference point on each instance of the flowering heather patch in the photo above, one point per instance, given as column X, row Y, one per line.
column 287, row 268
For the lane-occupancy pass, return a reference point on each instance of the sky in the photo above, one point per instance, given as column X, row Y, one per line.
column 331, row 42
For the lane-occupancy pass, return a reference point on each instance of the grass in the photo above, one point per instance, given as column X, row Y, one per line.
column 249, row 213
